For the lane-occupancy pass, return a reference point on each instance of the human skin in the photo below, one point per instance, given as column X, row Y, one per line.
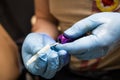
column 43, row 21
column 9, row 60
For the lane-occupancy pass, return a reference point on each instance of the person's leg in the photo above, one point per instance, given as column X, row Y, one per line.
column 9, row 63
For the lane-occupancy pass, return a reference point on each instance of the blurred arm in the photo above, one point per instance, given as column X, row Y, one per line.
column 43, row 21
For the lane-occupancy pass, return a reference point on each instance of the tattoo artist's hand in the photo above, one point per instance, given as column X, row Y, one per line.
column 48, row 63
column 105, row 34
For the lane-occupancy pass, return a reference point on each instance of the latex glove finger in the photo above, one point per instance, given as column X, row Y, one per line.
column 64, row 58
column 102, row 38
column 55, row 62
column 52, row 65
column 81, row 27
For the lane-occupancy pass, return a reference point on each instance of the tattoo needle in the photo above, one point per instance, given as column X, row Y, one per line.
column 45, row 48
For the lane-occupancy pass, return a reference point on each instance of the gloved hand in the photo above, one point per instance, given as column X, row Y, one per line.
column 48, row 63
column 105, row 34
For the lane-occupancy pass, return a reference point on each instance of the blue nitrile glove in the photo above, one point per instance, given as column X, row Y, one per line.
column 49, row 62
column 105, row 34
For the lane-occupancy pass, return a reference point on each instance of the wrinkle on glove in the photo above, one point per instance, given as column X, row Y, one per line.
column 105, row 32
column 48, row 62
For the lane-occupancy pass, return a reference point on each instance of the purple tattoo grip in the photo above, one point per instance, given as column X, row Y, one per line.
column 64, row 39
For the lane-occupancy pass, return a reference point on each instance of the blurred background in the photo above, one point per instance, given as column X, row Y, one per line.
column 15, row 16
